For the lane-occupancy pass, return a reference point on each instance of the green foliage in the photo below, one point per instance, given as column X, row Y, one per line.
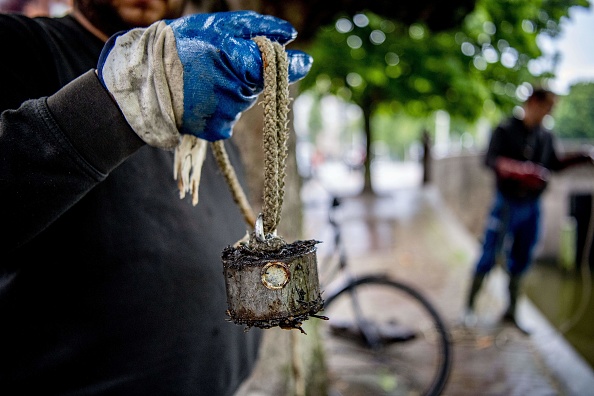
column 399, row 74
column 574, row 114
column 483, row 68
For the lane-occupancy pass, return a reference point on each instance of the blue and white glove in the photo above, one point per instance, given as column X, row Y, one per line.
column 193, row 75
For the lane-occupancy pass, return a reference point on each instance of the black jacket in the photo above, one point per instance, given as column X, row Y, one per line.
column 109, row 283
column 512, row 139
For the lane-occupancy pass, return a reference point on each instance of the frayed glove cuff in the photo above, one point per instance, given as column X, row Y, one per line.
column 142, row 71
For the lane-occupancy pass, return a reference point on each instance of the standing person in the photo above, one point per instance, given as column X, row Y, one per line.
column 109, row 283
column 522, row 155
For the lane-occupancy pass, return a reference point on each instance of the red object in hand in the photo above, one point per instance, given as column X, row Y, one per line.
column 528, row 173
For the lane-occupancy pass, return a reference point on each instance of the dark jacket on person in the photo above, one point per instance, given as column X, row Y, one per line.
column 513, row 140
column 109, row 282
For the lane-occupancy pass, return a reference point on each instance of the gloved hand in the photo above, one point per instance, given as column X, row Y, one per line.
column 530, row 174
column 192, row 75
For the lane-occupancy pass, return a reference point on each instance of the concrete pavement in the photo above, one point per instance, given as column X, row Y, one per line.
column 410, row 234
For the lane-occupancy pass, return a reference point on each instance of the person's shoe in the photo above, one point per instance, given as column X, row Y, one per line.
column 510, row 318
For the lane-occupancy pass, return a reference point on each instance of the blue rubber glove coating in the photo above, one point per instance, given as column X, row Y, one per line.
column 223, row 67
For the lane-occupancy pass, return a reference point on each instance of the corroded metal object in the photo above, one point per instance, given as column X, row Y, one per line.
column 272, row 288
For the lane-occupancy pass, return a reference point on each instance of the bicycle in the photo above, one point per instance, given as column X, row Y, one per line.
column 383, row 336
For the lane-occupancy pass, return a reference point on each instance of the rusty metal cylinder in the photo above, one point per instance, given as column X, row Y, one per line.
column 278, row 288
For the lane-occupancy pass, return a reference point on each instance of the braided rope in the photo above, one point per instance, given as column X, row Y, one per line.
column 282, row 101
column 269, row 135
column 220, row 154
column 275, row 136
column 276, row 109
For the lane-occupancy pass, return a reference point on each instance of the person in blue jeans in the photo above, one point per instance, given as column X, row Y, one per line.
column 522, row 156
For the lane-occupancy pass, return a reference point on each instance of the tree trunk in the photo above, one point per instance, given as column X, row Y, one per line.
column 367, row 186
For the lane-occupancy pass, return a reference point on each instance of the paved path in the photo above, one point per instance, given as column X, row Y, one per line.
column 410, row 234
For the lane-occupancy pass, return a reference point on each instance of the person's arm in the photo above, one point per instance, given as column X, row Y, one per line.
column 573, row 160
column 528, row 173
column 559, row 163
column 53, row 151
column 194, row 76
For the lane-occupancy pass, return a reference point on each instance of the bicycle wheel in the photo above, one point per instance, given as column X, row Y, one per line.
column 384, row 338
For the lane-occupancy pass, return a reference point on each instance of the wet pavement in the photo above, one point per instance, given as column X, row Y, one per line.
column 410, row 234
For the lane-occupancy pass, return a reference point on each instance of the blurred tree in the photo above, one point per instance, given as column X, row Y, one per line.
column 481, row 68
column 574, row 114
column 308, row 16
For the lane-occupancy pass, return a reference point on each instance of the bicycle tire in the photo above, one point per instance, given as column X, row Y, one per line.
column 398, row 356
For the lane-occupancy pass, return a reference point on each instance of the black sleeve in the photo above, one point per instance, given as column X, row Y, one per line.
column 572, row 160
column 53, row 151
column 559, row 163
column 550, row 159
